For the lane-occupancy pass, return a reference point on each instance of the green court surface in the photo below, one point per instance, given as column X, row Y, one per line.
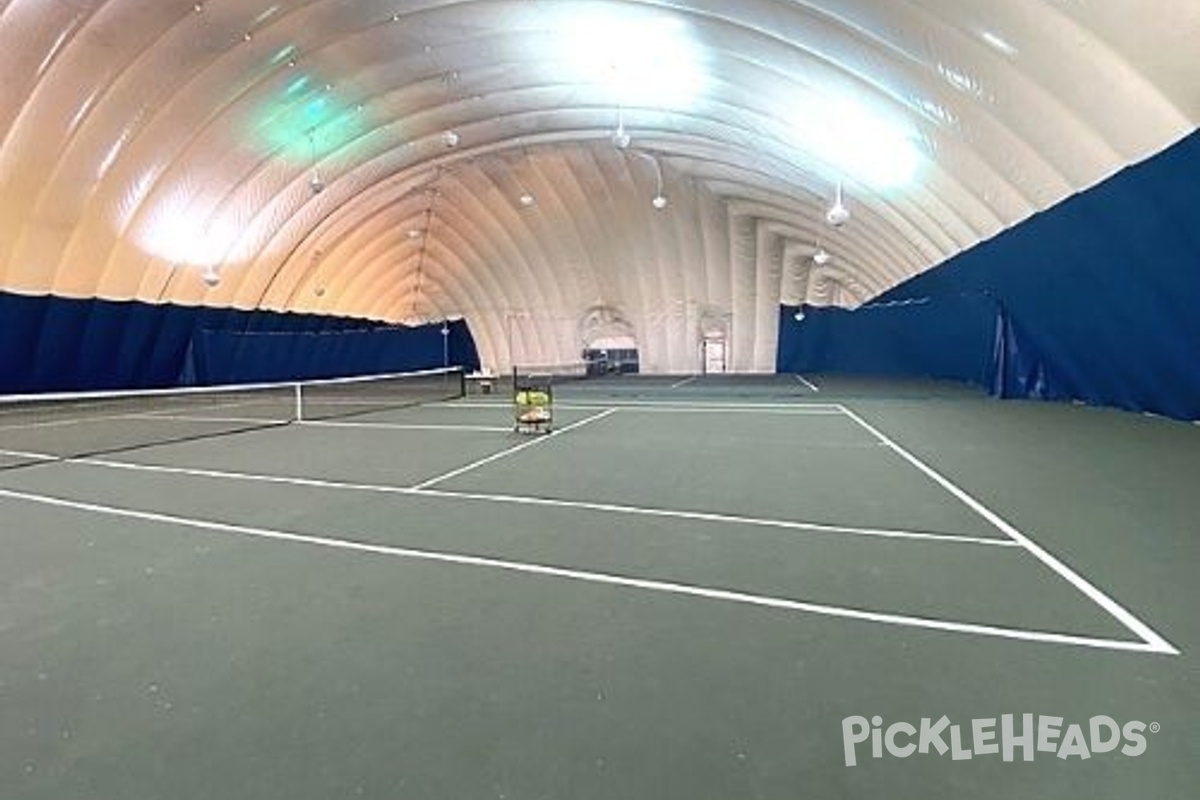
column 681, row 592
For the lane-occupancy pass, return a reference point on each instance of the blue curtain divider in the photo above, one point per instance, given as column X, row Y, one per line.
column 944, row 338
column 1094, row 300
column 60, row 344
column 223, row 356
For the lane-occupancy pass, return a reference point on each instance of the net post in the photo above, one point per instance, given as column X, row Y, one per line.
column 298, row 403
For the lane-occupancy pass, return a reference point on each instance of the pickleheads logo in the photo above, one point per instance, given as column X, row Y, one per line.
column 1030, row 736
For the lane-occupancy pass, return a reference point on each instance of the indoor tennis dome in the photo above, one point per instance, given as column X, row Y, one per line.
column 996, row 192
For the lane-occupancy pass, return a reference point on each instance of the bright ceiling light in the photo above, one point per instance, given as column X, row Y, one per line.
column 636, row 58
column 936, row 112
column 960, row 80
column 821, row 257
column 858, row 141
column 999, row 43
column 188, row 231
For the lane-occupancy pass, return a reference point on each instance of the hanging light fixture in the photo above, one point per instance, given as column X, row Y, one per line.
column 526, row 198
column 315, row 184
column 621, row 138
column 659, row 201
column 838, row 215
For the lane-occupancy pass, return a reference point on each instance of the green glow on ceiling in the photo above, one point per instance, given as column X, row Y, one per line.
column 309, row 120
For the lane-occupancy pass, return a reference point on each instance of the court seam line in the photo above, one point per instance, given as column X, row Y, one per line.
column 1140, row 629
column 454, row 473
column 586, row 576
column 684, row 382
column 608, row 508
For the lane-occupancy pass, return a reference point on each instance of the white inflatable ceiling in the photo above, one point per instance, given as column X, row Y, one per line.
column 523, row 163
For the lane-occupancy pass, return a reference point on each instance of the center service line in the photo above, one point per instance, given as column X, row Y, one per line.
column 512, row 450
column 808, row 384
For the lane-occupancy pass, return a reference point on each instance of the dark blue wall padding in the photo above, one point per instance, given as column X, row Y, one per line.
column 1096, row 299
column 951, row 338
column 224, row 356
column 60, row 344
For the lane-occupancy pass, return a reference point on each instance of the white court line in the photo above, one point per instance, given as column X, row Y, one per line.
column 387, row 403
column 31, row 456
column 513, row 450
column 684, row 382
column 585, row 576
column 388, row 426
column 165, row 414
column 647, row 408
column 807, row 383
column 182, row 405
column 1153, row 640
column 799, row 409
column 729, row 519
column 235, row 420
column 316, row 423
column 605, row 508
column 59, row 423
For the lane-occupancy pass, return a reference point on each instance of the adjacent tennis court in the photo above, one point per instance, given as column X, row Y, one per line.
column 681, row 590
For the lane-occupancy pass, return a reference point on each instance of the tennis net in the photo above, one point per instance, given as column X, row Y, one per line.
column 48, row 427
column 561, row 373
